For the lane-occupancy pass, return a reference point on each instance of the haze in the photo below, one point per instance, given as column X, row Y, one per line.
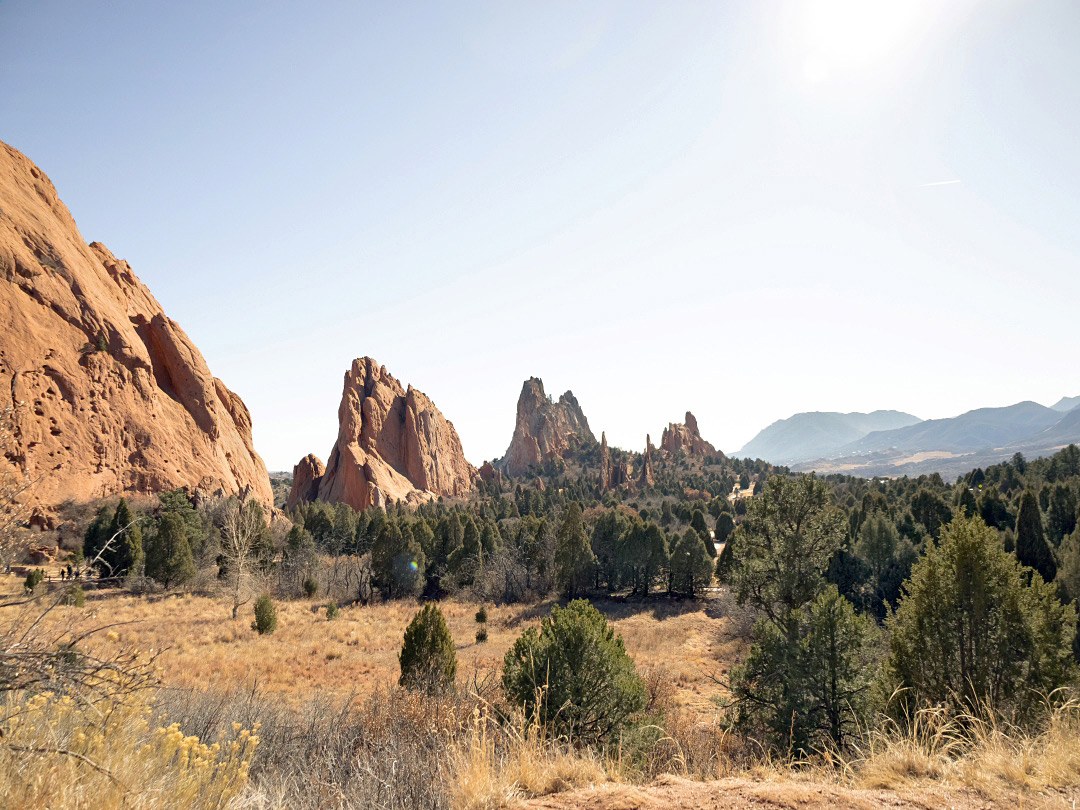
column 744, row 209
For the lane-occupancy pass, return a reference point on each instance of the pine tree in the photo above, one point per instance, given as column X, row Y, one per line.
column 397, row 563
column 691, row 565
column 973, row 629
column 168, row 553
column 574, row 558
column 427, row 659
column 1031, row 546
column 126, row 551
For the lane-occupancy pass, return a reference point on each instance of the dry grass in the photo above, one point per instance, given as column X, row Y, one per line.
column 983, row 753
column 198, row 645
column 59, row 753
column 365, row 743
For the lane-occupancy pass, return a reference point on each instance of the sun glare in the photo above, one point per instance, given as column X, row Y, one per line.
column 846, row 37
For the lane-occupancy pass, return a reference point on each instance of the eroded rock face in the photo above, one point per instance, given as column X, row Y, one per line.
column 307, row 475
column 614, row 472
column 647, row 479
column 686, row 437
column 393, row 445
column 110, row 395
column 544, row 429
column 488, row 472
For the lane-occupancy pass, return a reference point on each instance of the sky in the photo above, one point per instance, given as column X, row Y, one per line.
column 744, row 209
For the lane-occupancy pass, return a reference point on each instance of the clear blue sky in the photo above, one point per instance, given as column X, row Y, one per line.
column 747, row 209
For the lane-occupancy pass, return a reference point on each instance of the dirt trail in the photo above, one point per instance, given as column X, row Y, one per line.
column 672, row 793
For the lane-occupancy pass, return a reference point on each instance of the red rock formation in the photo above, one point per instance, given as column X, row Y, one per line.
column 647, row 479
column 306, row 475
column 687, row 438
column 605, row 464
column 109, row 394
column 614, row 472
column 488, row 472
column 393, row 445
column 544, row 429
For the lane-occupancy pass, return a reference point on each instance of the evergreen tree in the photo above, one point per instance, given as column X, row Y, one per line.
column 1031, row 546
column 427, row 659
column 697, row 523
column 397, row 563
column 126, row 551
column 973, row 630
column 574, row 675
column 690, row 564
column 574, row 558
column 168, row 554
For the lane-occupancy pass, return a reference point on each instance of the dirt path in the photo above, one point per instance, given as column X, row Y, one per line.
column 671, row 793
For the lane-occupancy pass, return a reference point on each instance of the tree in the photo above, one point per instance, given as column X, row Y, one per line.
column 697, row 523
column 690, row 565
column 784, row 544
column 397, row 563
column 244, row 539
column 574, row 558
column 607, row 532
column 644, row 553
column 1031, row 547
column 427, row 659
column 168, row 553
column 930, row 510
column 806, row 658
column 803, row 695
column 265, row 621
column 574, row 676
column 126, row 551
column 971, row 630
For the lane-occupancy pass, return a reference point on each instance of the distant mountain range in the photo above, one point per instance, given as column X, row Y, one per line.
column 810, row 436
column 890, row 443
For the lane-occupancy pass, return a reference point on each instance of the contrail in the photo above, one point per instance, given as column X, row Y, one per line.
column 941, row 183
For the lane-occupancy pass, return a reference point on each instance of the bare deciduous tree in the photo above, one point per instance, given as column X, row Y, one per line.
column 243, row 535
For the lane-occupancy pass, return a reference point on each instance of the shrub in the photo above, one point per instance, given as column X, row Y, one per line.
column 75, row 596
column 265, row 615
column 311, row 586
column 427, row 659
column 481, row 615
column 33, row 579
column 976, row 628
column 331, row 611
column 481, row 635
column 574, row 675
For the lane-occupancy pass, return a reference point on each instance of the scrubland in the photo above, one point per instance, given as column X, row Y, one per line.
column 310, row 716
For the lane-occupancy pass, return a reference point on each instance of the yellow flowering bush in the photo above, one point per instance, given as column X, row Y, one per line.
column 58, row 752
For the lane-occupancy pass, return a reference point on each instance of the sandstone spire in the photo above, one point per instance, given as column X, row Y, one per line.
column 393, row 445
column 544, row 429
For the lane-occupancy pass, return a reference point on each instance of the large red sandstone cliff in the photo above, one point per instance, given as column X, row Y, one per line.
column 686, row 437
column 109, row 394
column 544, row 429
column 393, row 445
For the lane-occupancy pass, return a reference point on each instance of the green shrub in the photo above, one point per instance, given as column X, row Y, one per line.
column 331, row 611
column 481, row 615
column 311, row 587
column 33, row 579
column 977, row 629
column 481, row 634
column 265, row 615
column 574, row 675
column 427, row 659
column 75, row 596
